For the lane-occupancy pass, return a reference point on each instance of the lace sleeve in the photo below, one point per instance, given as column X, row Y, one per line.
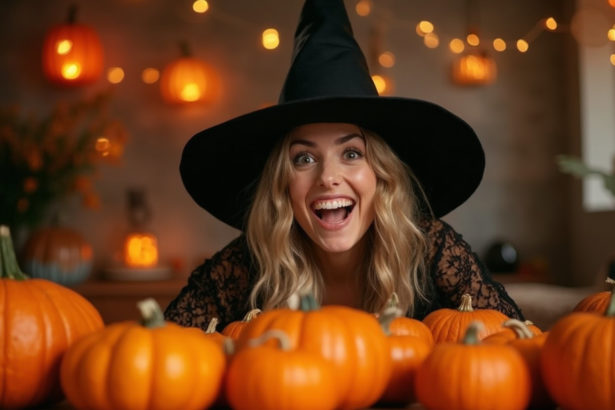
column 220, row 287
column 456, row 270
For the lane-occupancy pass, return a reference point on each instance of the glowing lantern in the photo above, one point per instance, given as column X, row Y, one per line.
column 140, row 250
column 72, row 53
column 474, row 69
column 188, row 80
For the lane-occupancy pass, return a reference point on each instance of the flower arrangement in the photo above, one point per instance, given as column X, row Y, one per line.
column 575, row 166
column 44, row 160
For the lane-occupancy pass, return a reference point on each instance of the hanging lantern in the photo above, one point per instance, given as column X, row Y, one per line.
column 188, row 80
column 474, row 69
column 72, row 53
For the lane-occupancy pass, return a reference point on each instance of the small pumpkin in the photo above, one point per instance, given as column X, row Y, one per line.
column 473, row 375
column 233, row 329
column 40, row 319
column 349, row 338
column 407, row 353
column 449, row 325
column 59, row 254
column 262, row 376
column 577, row 359
column 72, row 53
column 400, row 325
column 153, row 364
column 596, row 302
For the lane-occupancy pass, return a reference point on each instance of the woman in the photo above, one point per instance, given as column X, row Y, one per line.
column 351, row 189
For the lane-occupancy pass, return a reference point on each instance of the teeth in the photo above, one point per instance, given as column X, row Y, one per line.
column 334, row 204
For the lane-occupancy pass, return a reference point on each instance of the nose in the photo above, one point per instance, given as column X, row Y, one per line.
column 330, row 174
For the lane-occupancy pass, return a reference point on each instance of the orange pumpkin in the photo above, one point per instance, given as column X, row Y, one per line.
column 407, row 352
column 349, row 338
column 233, row 329
column 596, row 302
column 72, row 53
column 400, row 325
column 59, row 254
column 39, row 321
column 577, row 360
column 262, row 376
column 155, row 364
column 188, row 80
column 473, row 375
column 449, row 325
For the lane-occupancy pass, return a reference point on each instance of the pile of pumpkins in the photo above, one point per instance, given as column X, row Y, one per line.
column 54, row 345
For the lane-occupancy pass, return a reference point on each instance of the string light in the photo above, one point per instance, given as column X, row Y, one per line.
column 363, row 8
column 611, row 33
column 551, row 24
column 612, row 59
column 115, row 75
column 150, row 75
column 522, row 45
column 499, row 44
column 424, row 27
column 270, row 39
column 386, row 59
column 431, row 40
column 473, row 39
column 200, row 6
column 456, row 45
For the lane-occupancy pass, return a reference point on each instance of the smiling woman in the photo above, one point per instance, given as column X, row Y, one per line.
column 350, row 191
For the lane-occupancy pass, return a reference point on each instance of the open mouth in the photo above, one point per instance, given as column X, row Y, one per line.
column 333, row 211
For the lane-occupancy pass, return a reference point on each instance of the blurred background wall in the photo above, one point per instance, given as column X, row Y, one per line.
column 524, row 119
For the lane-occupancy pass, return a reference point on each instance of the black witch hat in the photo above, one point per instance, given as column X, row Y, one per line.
column 329, row 81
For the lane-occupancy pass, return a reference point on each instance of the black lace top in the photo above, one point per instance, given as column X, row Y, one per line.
column 221, row 286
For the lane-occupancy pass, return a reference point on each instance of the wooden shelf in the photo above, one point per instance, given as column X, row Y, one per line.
column 117, row 300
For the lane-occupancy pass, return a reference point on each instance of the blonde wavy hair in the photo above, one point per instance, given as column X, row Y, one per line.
column 282, row 251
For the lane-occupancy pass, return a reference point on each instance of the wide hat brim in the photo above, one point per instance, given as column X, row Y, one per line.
column 221, row 165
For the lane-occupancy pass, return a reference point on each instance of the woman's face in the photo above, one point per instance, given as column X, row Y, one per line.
column 332, row 186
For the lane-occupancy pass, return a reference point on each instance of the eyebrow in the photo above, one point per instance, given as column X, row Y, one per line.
column 339, row 141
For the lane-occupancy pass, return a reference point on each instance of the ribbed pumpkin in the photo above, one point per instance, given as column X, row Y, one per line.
column 59, row 254
column 578, row 360
column 449, row 325
column 349, row 338
column 473, row 375
column 277, row 377
column 149, row 365
column 233, row 329
column 407, row 353
column 596, row 302
column 39, row 320
column 72, row 53
column 528, row 343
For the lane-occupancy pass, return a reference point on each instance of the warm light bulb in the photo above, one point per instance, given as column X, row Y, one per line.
column 270, row 39
column 115, row 75
column 363, row 8
column 522, row 45
column 71, row 70
column 63, row 47
column 380, row 82
column 499, row 44
column 150, row 75
column 386, row 59
column 551, row 24
column 611, row 33
column 612, row 58
column 102, row 146
column 190, row 92
column 473, row 39
column 456, row 45
column 200, row 6
column 424, row 27
column 431, row 40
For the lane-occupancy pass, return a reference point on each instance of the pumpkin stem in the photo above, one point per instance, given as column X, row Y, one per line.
column 610, row 282
column 211, row 326
column 520, row 328
column 308, row 302
column 281, row 337
column 251, row 315
column 393, row 301
column 9, row 268
column 387, row 316
column 610, row 310
column 228, row 346
column 466, row 303
column 151, row 314
column 471, row 335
